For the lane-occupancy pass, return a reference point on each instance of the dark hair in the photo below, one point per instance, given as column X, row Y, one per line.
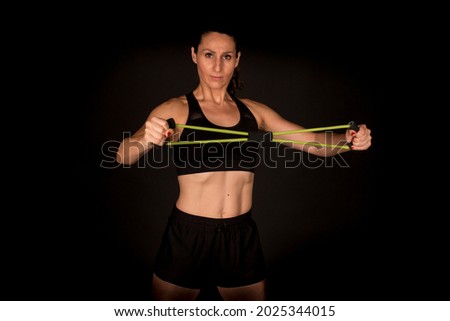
column 235, row 83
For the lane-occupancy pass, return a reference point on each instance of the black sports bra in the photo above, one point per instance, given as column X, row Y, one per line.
column 228, row 156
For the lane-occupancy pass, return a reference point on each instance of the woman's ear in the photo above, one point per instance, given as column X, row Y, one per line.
column 193, row 55
column 238, row 57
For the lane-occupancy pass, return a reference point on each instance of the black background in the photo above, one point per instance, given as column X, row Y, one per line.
column 79, row 231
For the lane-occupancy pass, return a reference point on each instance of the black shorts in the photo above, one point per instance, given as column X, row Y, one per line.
column 199, row 251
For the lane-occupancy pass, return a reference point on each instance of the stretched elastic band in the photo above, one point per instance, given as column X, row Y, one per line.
column 260, row 136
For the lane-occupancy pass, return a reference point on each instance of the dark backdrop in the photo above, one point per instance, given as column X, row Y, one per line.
column 87, row 229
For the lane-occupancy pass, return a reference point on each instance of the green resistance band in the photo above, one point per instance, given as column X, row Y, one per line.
column 258, row 135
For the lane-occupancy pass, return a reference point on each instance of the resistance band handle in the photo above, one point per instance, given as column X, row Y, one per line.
column 352, row 125
column 171, row 123
column 355, row 127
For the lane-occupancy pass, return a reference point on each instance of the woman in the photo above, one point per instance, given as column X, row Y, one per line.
column 211, row 238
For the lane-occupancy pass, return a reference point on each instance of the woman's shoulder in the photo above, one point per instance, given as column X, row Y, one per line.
column 261, row 111
column 255, row 106
column 175, row 107
column 175, row 102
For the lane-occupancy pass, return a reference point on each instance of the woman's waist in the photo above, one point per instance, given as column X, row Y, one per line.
column 212, row 221
column 215, row 206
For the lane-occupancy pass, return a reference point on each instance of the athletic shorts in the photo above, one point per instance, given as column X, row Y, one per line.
column 198, row 251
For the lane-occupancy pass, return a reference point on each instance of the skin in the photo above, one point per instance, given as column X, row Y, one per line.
column 216, row 58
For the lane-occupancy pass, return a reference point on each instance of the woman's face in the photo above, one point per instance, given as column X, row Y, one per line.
column 216, row 59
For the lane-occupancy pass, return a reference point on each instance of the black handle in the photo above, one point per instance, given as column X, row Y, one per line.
column 355, row 127
column 171, row 123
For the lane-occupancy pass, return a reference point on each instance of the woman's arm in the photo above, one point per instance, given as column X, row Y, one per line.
column 271, row 121
column 155, row 131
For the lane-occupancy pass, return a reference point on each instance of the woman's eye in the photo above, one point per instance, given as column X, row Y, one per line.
column 227, row 57
column 208, row 55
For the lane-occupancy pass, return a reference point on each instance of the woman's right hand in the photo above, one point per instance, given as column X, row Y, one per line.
column 157, row 131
